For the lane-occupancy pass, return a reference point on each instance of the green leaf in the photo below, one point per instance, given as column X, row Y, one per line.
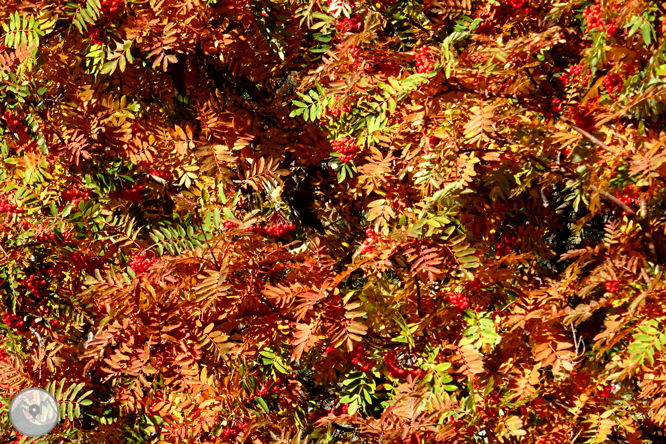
column 263, row 404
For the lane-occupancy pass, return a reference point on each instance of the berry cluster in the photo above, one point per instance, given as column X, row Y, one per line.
column 576, row 71
column 6, row 207
column 55, row 323
column 153, row 403
column 592, row 15
column 13, row 122
column 336, row 112
column 611, row 30
column 163, row 174
column 459, row 300
column 345, row 24
column 280, row 229
column 608, row 391
column 268, row 388
column 37, row 286
column 75, row 196
column 359, row 358
column 518, row 3
column 4, row 357
column 500, row 86
column 628, row 197
column 368, row 247
column 330, row 349
column 613, row 84
column 556, row 104
column 140, row 263
column 229, row 224
column 360, row 60
column 14, row 321
column 505, row 246
column 45, row 236
column 342, row 409
column 346, row 147
column 231, row 432
column 612, row 286
column 131, row 193
column 396, row 371
column 96, row 35
column 582, row 117
column 112, row 7
column 425, row 62
column 85, row 261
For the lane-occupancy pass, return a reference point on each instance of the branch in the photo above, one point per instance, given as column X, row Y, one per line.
column 587, row 135
column 39, row 338
column 642, row 219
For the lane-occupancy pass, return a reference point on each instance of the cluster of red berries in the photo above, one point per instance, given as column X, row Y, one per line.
column 518, row 3
column 37, row 286
column 613, row 84
column 368, row 247
column 280, row 229
column 45, row 236
column 567, row 151
column 612, row 286
column 592, row 15
column 75, row 196
column 131, row 193
column 395, row 371
column 320, row 413
column 359, row 358
column 611, row 30
column 96, row 35
column 628, row 197
column 582, row 117
column 431, row 142
column 499, row 86
column 336, row 112
column 425, row 62
column 366, row 62
column 576, row 71
column 346, row 147
column 330, row 349
column 4, row 357
column 556, row 104
column 6, row 207
column 505, row 245
column 345, row 24
column 229, row 224
column 153, row 403
column 112, row 7
column 13, row 122
column 163, row 174
column 459, row 300
column 85, row 261
column 231, row 432
column 54, row 323
column 14, row 321
column 268, row 388
column 608, row 391
column 140, row 263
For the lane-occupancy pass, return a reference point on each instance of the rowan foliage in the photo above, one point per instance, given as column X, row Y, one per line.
column 345, row 221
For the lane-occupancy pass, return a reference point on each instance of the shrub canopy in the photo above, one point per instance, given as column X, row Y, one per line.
column 393, row 222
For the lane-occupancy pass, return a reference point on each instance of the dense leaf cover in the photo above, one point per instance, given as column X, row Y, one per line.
column 391, row 222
